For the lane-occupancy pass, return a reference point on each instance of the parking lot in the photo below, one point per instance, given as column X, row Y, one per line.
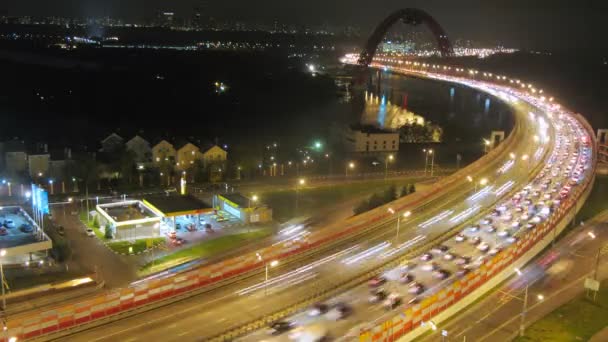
column 16, row 230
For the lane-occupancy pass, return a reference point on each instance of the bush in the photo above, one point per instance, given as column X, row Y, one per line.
column 362, row 207
column 95, row 222
column 405, row 190
column 412, row 188
column 108, row 231
column 390, row 194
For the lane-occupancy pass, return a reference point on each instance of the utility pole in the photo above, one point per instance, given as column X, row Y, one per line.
column 522, row 327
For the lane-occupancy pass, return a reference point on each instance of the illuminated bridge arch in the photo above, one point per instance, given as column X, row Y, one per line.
column 410, row 16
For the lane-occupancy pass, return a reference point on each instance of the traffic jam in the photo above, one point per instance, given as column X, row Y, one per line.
column 475, row 244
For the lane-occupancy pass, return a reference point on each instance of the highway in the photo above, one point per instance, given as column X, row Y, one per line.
column 501, row 227
column 205, row 315
column 554, row 278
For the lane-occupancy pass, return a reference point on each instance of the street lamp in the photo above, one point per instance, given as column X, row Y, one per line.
column 300, row 183
column 512, row 155
column 389, row 158
column 404, row 215
column 350, row 165
column 273, row 263
column 253, row 199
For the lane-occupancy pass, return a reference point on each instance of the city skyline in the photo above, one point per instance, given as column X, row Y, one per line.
column 528, row 26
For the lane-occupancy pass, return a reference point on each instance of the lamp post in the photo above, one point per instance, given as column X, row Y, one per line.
column 432, row 161
column 300, row 183
column 390, row 157
column 273, row 263
column 486, row 144
column 404, row 215
column 51, row 186
column 350, row 165
column 9, row 189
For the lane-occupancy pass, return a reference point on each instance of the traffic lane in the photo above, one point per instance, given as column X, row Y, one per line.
column 486, row 320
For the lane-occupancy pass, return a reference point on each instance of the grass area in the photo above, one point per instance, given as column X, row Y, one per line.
column 597, row 199
column 310, row 200
column 576, row 320
column 137, row 245
column 89, row 224
column 204, row 249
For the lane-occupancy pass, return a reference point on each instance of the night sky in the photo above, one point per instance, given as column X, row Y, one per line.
column 532, row 24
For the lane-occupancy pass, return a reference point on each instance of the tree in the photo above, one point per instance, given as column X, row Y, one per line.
column 405, row 190
column 362, row 207
column 108, row 231
column 126, row 166
column 390, row 194
column 412, row 188
column 375, row 201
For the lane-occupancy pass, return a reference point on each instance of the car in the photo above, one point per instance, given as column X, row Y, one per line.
column 494, row 251
column 3, row 231
column 440, row 249
column 426, row 257
column 479, row 261
column 8, row 223
column 507, row 217
column 449, row 256
column 415, row 288
column 486, row 220
column 431, row 266
column 511, row 239
column 483, row 247
column 536, row 219
column 441, row 274
column 392, row 301
column 376, row 281
column 503, row 233
column 459, row 238
column 339, row 311
column 490, row 229
column 406, row 278
column 516, row 224
column 463, row 260
column 414, row 300
column 26, row 228
column 90, row 232
column 377, row 296
column 530, row 226
column 462, row 272
column 495, row 213
column 317, row 309
column 473, row 228
column 280, row 327
column 475, row 240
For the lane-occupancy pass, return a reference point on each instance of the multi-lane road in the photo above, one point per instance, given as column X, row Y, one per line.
column 208, row 314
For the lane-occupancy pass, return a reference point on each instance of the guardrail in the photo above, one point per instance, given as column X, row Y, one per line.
column 119, row 303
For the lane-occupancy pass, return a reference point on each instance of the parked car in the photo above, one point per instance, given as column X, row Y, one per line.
column 90, row 232
column 280, row 327
column 8, row 223
column 26, row 228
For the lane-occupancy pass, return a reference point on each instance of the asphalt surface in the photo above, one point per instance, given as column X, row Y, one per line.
column 205, row 315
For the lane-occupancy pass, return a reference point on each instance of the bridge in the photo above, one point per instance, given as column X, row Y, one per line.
column 240, row 296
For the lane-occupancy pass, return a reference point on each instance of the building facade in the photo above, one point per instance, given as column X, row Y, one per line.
column 112, row 143
column 215, row 155
column 38, row 165
column 140, row 148
column 187, row 155
column 371, row 141
column 163, row 151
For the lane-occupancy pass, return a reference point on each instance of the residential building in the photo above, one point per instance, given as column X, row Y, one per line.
column 15, row 158
column 163, row 151
column 186, row 155
column 140, row 148
column 371, row 140
column 38, row 165
column 112, row 143
column 215, row 155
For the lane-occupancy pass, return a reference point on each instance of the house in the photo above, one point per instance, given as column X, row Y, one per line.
column 15, row 157
column 140, row 148
column 60, row 163
column 38, row 160
column 371, row 140
column 187, row 155
column 163, row 151
column 215, row 155
column 112, row 143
